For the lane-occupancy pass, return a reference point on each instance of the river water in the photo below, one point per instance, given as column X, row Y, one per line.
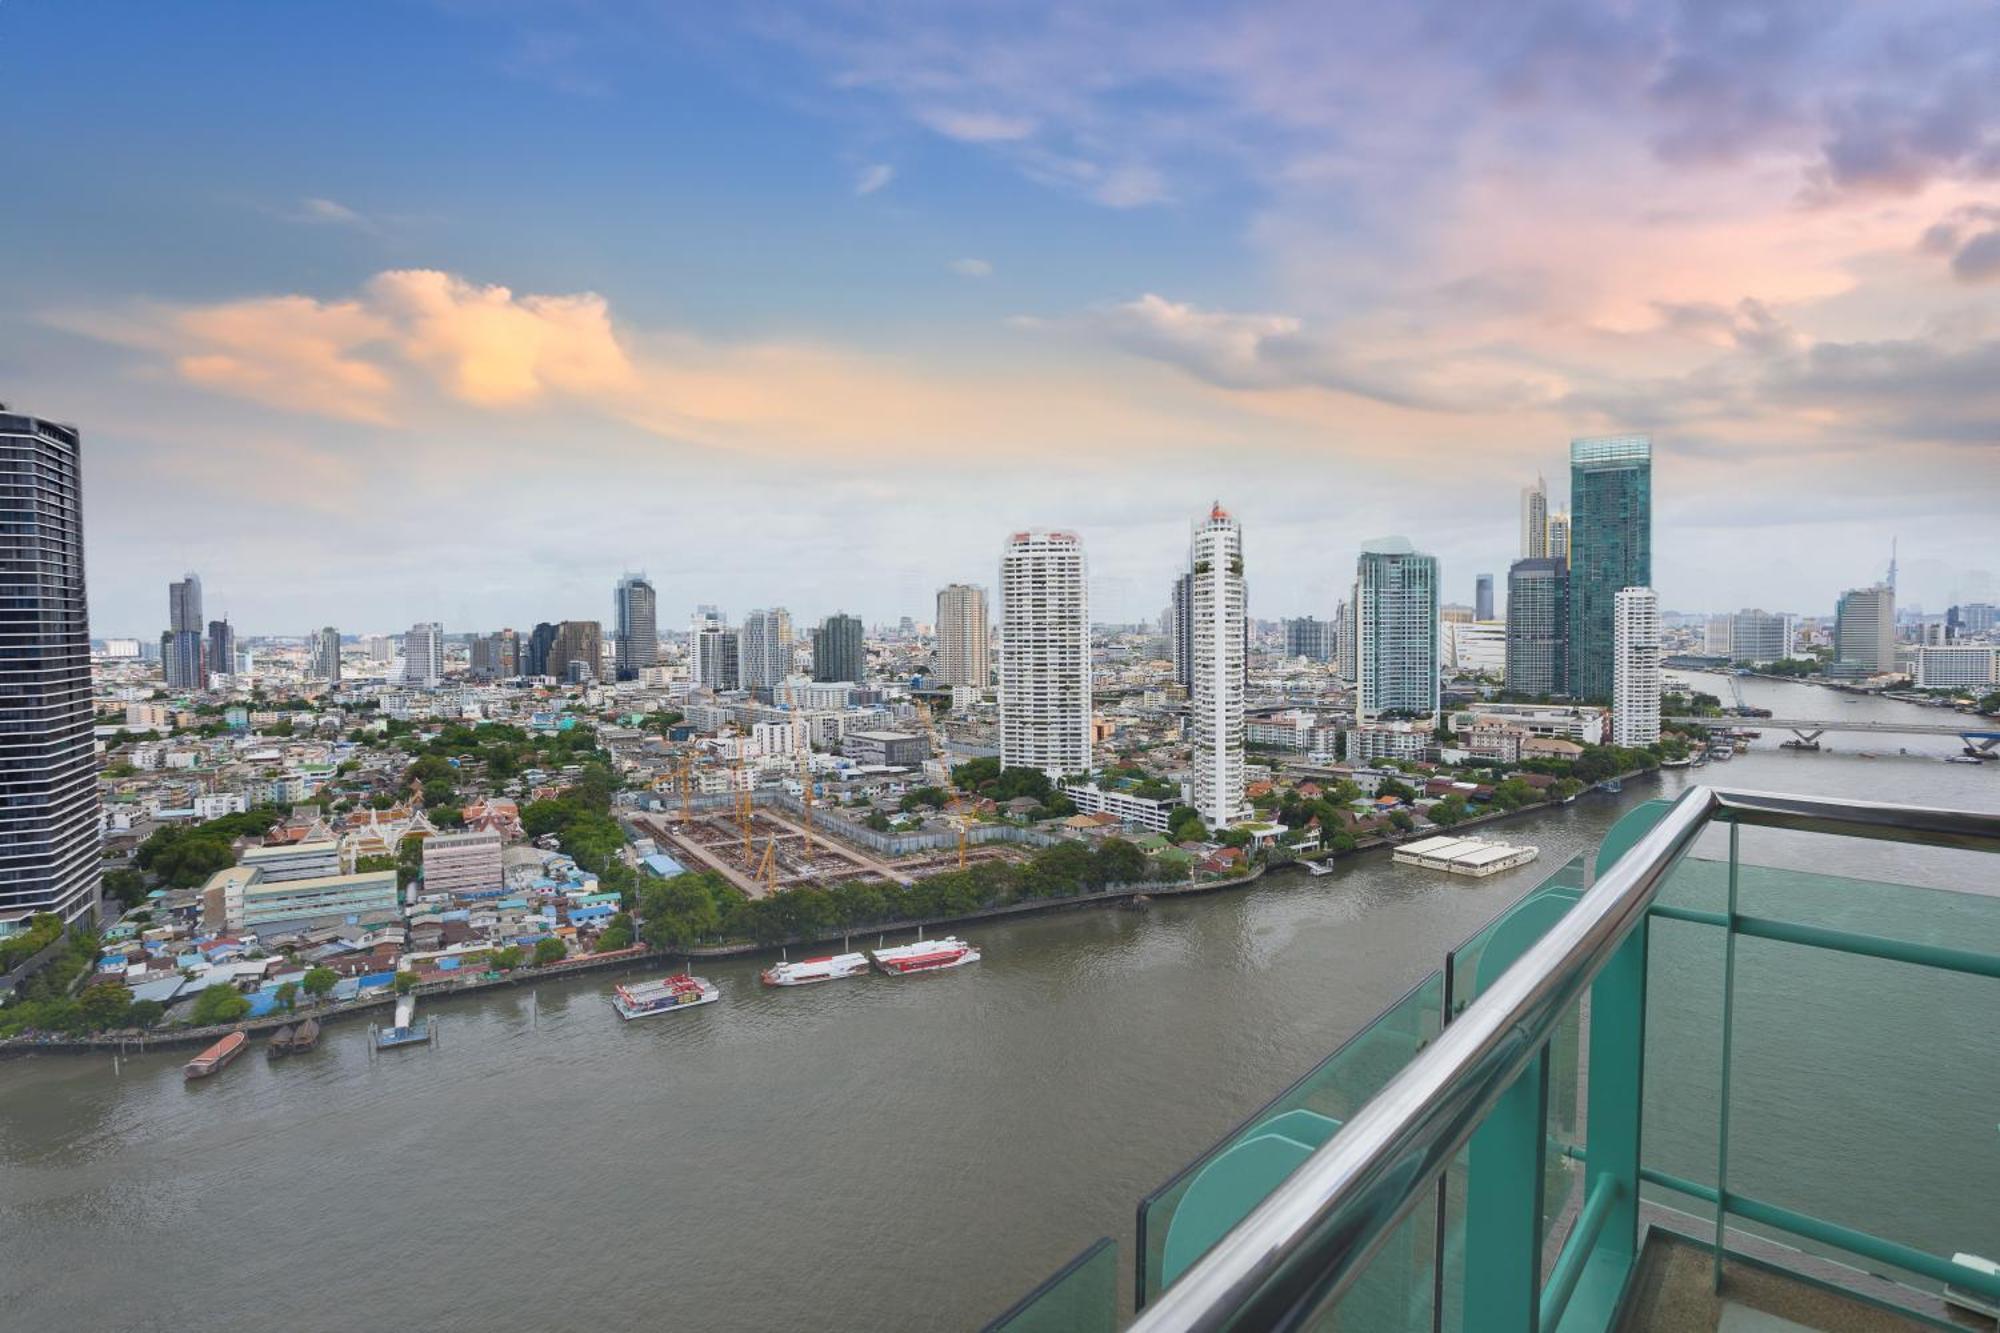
column 909, row 1153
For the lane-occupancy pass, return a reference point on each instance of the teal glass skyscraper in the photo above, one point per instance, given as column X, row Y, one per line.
column 1611, row 547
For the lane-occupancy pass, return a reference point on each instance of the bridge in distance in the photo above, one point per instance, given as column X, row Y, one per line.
column 1981, row 735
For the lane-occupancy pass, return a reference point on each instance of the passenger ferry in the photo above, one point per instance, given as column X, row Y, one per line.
column 658, row 997
column 926, row 956
column 809, row 970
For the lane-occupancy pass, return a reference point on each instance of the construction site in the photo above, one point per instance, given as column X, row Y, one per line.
column 763, row 850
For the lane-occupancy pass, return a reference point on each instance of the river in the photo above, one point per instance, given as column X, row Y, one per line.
column 907, row 1153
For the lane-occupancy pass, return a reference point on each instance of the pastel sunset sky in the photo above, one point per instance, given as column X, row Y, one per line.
column 381, row 311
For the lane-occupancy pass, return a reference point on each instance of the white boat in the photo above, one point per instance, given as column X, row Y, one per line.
column 679, row 991
column 1964, row 1297
column 1318, row 867
column 809, row 970
column 926, row 956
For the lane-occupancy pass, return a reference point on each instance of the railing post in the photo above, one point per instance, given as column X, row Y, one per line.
column 1728, row 1032
column 1503, row 1205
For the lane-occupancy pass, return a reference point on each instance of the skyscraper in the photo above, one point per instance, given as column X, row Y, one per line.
column 326, row 655
column 1216, row 715
column 837, row 649
column 423, row 655
column 1864, row 631
column 638, row 634
column 1559, row 537
column 535, row 656
column 576, row 654
column 1759, row 637
column 1311, row 639
column 181, row 646
column 964, row 656
column 718, row 651
column 1348, row 646
column 1534, row 522
column 1183, row 631
column 50, row 844
column 1537, row 626
column 1396, row 623
column 498, row 656
column 1045, row 654
column 1635, row 688
column 1611, row 548
column 1482, row 597
column 766, row 648
column 221, row 649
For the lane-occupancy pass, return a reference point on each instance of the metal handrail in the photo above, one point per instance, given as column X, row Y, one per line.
column 1313, row 1235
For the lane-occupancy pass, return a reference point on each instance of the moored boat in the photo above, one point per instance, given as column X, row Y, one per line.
column 306, row 1036
column 680, row 991
column 216, row 1056
column 807, row 971
column 926, row 956
column 280, row 1044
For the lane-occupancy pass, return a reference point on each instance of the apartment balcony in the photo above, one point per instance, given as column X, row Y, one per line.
column 1685, row 1085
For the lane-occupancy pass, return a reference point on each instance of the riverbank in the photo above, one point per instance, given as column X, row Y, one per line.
column 130, row 1042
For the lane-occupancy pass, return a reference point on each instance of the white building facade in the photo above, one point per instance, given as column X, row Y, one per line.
column 1217, row 612
column 1045, row 654
column 423, row 655
column 1635, row 667
column 964, row 656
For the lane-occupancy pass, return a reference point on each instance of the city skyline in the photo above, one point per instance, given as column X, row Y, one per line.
column 773, row 262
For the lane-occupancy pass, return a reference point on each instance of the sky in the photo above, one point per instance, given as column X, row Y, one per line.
column 440, row 309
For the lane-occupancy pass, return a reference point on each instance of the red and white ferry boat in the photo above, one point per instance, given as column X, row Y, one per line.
column 809, row 970
column 658, row 997
column 926, row 956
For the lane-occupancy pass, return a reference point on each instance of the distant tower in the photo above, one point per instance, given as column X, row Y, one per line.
column 837, row 649
column 1396, row 624
column 964, row 656
column 1482, row 597
column 1218, row 609
column 1635, row 690
column 766, row 646
column 637, row 645
column 1611, row 548
column 1045, row 654
column 326, row 655
column 181, row 646
column 423, row 655
column 1534, row 522
column 221, row 649
column 1559, row 537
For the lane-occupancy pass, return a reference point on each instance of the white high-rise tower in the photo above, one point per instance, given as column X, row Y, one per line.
column 1635, row 667
column 1045, row 654
column 1217, row 614
column 423, row 655
column 1535, row 520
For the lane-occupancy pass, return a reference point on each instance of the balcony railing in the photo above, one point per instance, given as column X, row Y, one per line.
column 1473, row 1158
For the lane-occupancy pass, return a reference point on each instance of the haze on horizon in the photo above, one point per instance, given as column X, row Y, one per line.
column 454, row 310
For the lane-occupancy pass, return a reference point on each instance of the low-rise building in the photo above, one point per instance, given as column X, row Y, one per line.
column 463, row 865
column 1370, row 741
column 299, row 860
column 898, row 749
column 1140, row 811
column 1584, row 724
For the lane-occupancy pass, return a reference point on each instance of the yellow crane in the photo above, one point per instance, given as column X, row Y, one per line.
column 742, row 785
column 767, row 869
column 802, row 743
column 937, row 751
column 687, row 790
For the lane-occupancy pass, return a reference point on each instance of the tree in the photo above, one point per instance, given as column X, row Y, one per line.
column 145, row 1013
column 1234, row 837
column 319, row 980
column 508, row 958
column 405, row 982
column 219, row 1004
column 679, row 911
column 617, row 934
column 550, row 950
column 1401, row 819
column 288, row 995
column 1184, row 825
column 1448, row 811
column 127, row 886
column 1119, row 862
column 105, row 1005
column 877, row 821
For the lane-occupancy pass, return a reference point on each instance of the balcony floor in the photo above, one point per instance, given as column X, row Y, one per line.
column 1671, row 1292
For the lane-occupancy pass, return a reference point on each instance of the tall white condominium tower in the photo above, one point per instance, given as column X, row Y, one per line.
column 1395, row 630
column 1044, row 654
column 1535, row 520
column 1635, row 667
column 51, row 848
column 963, row 655
column 1218, row 611
column 1559, row 537
column 423, row 655
column 637, row 645
column 766, row 647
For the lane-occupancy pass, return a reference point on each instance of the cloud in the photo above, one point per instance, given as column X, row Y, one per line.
column 873, row 177
column 1979, row 259
column 422, row 347
column 977, row 126
column 972, row 268
column 331, row 212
